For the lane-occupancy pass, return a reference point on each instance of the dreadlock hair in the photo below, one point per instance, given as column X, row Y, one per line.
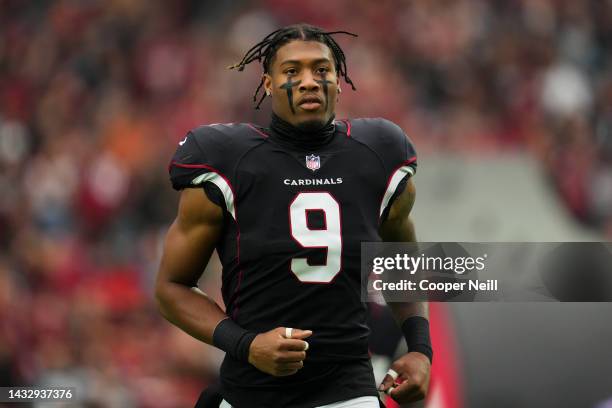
column 266, row 50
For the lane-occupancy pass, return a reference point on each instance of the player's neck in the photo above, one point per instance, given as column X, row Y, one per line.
column 305, row 138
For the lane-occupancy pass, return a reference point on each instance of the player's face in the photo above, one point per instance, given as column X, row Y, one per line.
column 303, row 83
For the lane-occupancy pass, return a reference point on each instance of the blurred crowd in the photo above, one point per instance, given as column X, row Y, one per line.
column 95, row 94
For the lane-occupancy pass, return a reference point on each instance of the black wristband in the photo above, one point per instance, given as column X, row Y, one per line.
column 416, row 332
column 233, row 339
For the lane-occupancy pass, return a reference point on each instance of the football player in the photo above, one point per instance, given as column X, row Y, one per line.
column 287, row 206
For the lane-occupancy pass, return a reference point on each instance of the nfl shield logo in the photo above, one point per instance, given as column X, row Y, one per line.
column 313, row 162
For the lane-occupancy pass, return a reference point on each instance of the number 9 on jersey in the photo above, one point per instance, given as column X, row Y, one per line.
column 329, row 237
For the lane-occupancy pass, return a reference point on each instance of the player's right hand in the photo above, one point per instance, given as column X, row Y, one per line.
column 275, row 354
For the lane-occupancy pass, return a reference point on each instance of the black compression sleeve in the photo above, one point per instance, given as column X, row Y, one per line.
column 233, row 339
column 416, row 332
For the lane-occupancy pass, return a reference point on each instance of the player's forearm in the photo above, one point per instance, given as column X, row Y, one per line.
column 189, row 244
column 189, row 309
column 402, row 230
column 411, row 317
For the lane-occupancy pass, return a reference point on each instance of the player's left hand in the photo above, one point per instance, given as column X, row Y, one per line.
column 412, row 383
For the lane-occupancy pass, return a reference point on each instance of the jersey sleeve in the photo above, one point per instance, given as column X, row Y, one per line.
column 187, row 164
column 196, row 164
column 400, row 161
column 393, row 150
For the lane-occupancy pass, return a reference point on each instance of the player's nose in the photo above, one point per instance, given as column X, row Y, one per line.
column 308, row 83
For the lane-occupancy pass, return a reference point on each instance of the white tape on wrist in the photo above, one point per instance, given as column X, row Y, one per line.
column 389, row 390
column 393, row 374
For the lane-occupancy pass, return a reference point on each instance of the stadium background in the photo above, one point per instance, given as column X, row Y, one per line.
column 508, row 102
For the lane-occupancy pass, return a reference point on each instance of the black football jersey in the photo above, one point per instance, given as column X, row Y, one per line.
column 290, row 248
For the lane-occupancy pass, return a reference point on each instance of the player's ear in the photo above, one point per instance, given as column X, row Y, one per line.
column 267, row 83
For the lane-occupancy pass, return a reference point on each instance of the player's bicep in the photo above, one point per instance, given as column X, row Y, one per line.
column 398, row 226
column 191, row 238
